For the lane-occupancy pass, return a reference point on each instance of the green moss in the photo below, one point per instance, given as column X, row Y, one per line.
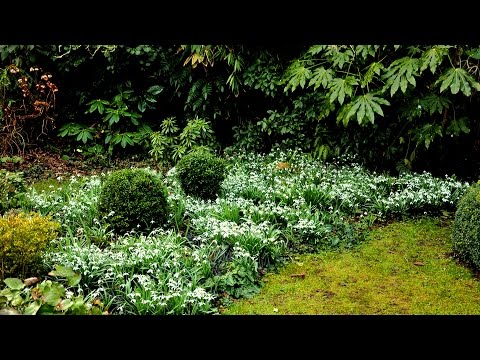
column 404, row 268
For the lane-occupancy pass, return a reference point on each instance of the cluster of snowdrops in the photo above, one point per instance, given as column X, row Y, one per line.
column 136, row 241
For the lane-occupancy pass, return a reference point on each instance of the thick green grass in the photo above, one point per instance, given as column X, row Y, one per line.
column 404, row 268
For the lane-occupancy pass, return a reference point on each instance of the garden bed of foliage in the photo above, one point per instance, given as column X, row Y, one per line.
column 206, row 249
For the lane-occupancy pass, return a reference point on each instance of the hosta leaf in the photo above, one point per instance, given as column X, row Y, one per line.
column 433, row 57
column 400, row 73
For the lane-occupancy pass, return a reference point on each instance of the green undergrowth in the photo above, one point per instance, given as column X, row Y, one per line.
column 405, row 267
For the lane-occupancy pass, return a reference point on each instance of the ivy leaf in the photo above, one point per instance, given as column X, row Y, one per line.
column 321, row 76
column 341, row 87
column 433, row 57
column 400, row 73
column 434, row 103
column 457, row 79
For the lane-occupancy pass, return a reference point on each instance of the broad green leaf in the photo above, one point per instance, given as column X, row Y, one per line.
column 374, row 68
column 434, row 103
column 315, row 49
column 341, row 87
column 321, row 76
column 400, row 73
column 155, row 90
column 32, row 308
column 474, row 53
column 142, row 105
column 365, row 106
column 339, row 55
column 457, row 79
column 64, row 304
column 433, row 57
column 17, row 300
column 297, row 74
column 14, row 283
column 457, row 126
column 54, row 294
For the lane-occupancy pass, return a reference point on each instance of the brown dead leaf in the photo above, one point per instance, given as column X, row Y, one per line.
column 31, row 281
column 302, row 275
column 418, row 263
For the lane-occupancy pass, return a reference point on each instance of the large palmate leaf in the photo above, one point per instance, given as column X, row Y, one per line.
column 297, row 74
column 400, row 73
column 457, row 126
column 433, row 57
column 340, row 87
column 457, row 79
column 375, row 68
column 364, row 107
column 434, row 103
column 364, row 51
column 321, row 76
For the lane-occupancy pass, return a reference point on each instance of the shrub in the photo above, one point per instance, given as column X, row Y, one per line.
column 11, row 185
column 23, row 237
column 466, row 227
column 133, row 199
column 201, row 174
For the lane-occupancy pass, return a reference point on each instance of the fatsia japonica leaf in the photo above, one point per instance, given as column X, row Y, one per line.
column 434, row 103
column 427, row 133
column 374, row 68
column 321, row 76
column 433, row 57
column 457, row 126
column 315, row 49
column 400, row 73
column 339, row 55
column 364, row 51
column 340, row 87
column 474, row 53
column 365, row 107
column 297, row 74
column 457, row 79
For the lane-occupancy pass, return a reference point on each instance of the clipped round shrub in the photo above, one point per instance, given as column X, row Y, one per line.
column 133, row 199
column 23, row 238
column 201, row 173
column 466, row 227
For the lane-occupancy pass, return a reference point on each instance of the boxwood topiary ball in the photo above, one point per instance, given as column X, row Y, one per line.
column 133, row 199
column 201, row 174
column 466, row 227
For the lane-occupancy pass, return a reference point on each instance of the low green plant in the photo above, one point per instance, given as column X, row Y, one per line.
column 12, row 186
column 169, row 144
column 23, row 238
column 466, row 227
column 201, row 174
column 133, row 199
column 48, row 297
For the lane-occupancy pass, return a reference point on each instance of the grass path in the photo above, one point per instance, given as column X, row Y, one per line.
column 404, row 268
